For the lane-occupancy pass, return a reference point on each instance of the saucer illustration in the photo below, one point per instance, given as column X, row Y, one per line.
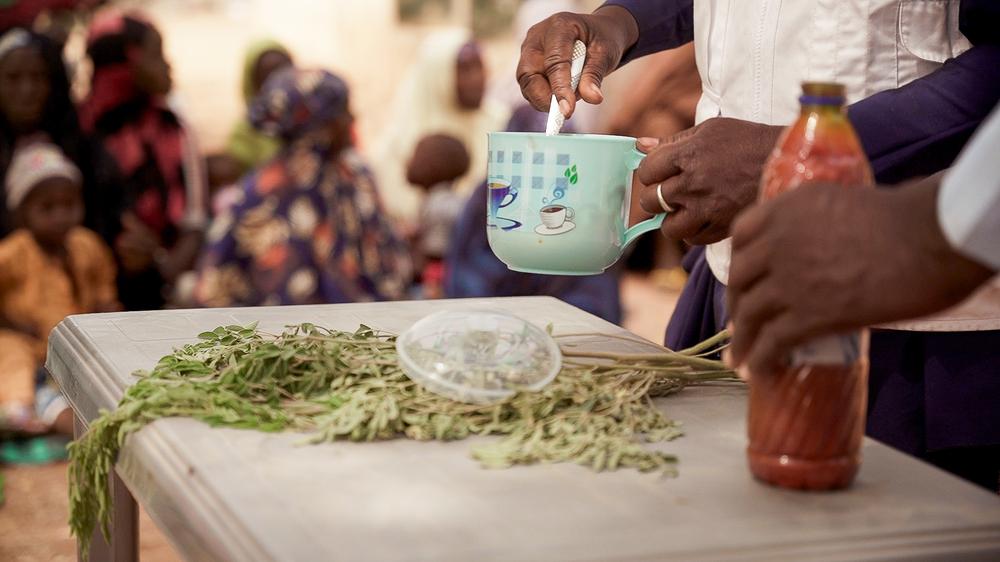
column 546, row 231
column 503, row 223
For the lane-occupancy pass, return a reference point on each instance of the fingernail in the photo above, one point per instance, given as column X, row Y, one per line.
column 564, row 107
column 647, row 143
column 595, row 91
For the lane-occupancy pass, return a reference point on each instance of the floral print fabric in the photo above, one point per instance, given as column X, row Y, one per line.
column 307, row 229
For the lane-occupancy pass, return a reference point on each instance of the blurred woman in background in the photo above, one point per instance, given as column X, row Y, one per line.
column 442, row 93
column 35, row 105
column 308, row 227
column 246, row 148
column 247, row 145
column 163, row 211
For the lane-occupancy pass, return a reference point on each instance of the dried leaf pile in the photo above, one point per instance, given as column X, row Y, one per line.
column 339, row 385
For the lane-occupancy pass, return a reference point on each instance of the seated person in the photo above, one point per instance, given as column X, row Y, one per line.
column 246, row 147
column 50, row 267
column 437, row 161
column 308, row 226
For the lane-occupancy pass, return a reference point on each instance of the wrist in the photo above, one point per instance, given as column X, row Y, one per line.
column 622, row 23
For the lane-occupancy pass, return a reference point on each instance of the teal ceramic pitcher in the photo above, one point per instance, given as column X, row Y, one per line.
column 559, row 205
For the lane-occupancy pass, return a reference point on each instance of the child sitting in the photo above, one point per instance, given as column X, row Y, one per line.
column 437, row 161
column 50, row 267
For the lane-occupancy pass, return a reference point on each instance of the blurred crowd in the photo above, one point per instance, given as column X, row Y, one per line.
column 109, row 203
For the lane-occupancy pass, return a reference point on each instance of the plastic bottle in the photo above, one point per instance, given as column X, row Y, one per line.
column 806, row 421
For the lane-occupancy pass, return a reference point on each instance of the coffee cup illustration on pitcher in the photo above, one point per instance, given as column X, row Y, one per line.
column 501, row 195
column 556, row 219
column 573, row 201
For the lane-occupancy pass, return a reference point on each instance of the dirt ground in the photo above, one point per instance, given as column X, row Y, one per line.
column 33, row 520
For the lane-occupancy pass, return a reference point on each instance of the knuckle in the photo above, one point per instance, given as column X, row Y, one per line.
column 554, row 62
column 563, row 19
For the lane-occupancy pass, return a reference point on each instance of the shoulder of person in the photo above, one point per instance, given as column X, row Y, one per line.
column 87, row 242
column 16, row 243
column 355, row 160
column 14, row 250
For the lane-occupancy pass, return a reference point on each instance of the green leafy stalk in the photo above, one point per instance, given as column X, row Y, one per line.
column 348, row 386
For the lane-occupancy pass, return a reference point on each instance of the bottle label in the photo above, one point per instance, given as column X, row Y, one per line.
column 842, row 349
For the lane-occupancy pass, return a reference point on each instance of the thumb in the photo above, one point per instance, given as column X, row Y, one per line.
column 646, row 144
column 595, row 68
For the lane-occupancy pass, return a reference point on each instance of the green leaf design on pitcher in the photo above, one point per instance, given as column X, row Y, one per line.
column 571, row 174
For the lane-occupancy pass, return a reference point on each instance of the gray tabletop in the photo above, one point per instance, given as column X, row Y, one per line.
column 221, row 494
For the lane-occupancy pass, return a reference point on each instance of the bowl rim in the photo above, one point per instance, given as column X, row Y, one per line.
column 578, row 136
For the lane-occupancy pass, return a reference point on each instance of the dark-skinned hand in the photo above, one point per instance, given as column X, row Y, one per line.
column 547, row 51
column 826, row 259
column 136, row 245
column 709, row 173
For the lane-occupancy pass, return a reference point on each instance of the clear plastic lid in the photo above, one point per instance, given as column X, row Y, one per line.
column 478, row 356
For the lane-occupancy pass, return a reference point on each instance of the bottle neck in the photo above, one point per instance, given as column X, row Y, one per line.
column 827, row 105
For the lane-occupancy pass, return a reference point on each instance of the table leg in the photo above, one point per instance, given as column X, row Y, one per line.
column 124, row 545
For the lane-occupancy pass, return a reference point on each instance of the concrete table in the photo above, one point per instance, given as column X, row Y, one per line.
column 221, row 494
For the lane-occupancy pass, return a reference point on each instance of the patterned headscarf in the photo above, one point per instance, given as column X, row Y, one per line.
column 112, row 38
column 293, row 102
column 31, row 165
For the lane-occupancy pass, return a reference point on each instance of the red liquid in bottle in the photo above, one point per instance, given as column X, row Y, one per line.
column 806, row 421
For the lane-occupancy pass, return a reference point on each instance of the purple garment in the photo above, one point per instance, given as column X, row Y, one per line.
column 932, row 391
column 663, row 24
column 701, row 309
column 929, row 391
column 473, row 270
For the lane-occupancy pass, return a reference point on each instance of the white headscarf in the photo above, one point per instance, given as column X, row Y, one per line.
column 31, row 165
column 13, row 39
column 427, row 103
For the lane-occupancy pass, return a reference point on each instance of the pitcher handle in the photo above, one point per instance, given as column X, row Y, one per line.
column 635, row 158
column 643, row 227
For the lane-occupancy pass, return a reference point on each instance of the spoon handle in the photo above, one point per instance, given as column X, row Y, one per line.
column 556, row 119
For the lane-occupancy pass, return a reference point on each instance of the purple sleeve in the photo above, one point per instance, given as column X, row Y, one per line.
column 663, row 24
column 920, row 128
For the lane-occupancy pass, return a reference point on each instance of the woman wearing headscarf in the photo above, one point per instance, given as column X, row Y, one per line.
column 35, row 105
column 443, row 92
column 246, row 148
column 473, row 270
column 247, row 145
column 309, row 226
column 164, row 209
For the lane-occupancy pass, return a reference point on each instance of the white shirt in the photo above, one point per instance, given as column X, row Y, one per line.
column 753, row 56
column 969, row 198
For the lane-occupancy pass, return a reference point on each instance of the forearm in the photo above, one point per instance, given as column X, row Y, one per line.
column 951, row 103
column 660, row 25
column 950, row 274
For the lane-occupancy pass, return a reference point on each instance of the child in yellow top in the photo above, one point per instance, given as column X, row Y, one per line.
column 50, row 267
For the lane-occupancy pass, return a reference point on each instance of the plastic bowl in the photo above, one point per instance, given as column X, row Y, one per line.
column 478, row 356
